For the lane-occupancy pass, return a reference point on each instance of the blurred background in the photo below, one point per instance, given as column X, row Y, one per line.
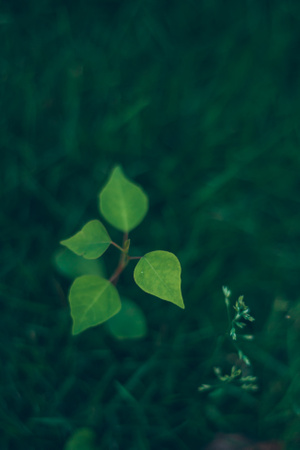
column 198, row 101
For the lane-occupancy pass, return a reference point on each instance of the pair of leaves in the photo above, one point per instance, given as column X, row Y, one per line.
column 123, row 204
column 94, row 299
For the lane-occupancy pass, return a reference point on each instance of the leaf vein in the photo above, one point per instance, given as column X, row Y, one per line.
column 93, row 302
column 161, row 279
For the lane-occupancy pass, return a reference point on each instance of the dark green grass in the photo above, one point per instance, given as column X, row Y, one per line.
column 199, row 102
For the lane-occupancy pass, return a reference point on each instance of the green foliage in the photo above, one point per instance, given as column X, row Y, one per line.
column 122, row 203
column 241, row 313
column 159, row 273
column 129, row 323
column 91, row 242
column 72, row 265
column 93, row 299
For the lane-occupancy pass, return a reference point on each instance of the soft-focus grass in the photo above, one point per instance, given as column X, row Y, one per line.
column 199, row 101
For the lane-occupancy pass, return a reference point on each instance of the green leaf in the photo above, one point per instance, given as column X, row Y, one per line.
column 123, row 203
column 82, row 439
column 91, row 242
column 129, row 323
column 159, row 273
column 71, row 265
column 93, row 300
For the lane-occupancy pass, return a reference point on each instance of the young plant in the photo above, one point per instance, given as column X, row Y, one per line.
column 94, row 299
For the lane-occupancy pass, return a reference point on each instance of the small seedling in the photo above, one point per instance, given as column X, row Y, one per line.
column 94, row 299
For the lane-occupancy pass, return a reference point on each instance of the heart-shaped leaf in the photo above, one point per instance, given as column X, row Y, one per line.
column 93, row 300
column 129, row 323
column 123, row 203
column 159, row 273
column 91, row 242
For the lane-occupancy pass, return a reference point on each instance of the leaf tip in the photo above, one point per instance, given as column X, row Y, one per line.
column 75, row 330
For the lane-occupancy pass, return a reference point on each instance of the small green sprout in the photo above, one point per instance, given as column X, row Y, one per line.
column 94, row 299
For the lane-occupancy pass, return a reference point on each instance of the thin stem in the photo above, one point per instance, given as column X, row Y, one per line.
column 114, row 278
column 227, row 303
column 134, row 257
column 120, row 267
column 117, row 246
column 123, row 261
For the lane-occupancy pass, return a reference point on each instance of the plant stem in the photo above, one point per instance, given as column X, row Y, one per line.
column 115, row 276
column 117, row 246
column 123, row 261
column 230, row 321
